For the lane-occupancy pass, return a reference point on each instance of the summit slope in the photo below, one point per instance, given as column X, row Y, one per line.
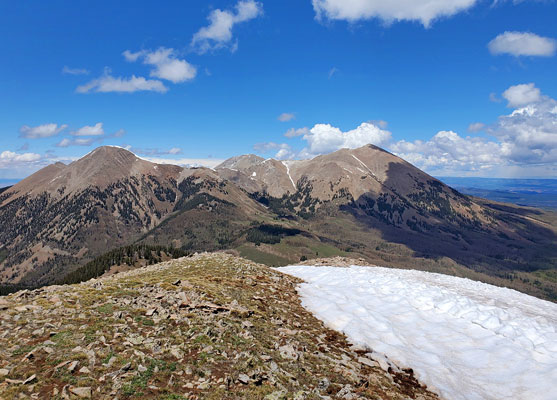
column 211, row 326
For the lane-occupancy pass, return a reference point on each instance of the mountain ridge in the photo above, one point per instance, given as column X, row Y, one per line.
column 65, row 215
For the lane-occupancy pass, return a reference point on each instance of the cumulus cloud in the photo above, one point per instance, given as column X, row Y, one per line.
column 293, row 132
column 424, row 11
column 218, row 34
column 529, row 133
column 325, row 138
column 521, row 141
column 74, row 71
column 41, row 131
column 450, row 151
column 94, row 130
column 166, row 65
column 285, row 117
column 520, row 95
column 10, row 159
column 108, row 83
column 523, row 44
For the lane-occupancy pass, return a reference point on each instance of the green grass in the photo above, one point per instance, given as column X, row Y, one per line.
column 251, row 253
column 106, row 309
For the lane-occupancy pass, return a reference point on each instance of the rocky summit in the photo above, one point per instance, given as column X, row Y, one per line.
column 209, row 326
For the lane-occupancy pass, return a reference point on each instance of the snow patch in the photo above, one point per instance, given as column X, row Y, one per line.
column 466, row 340
column 254, row 174
column 288, row 173
column 363, row 165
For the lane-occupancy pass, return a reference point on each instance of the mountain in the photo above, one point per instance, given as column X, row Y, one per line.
column 364, row 201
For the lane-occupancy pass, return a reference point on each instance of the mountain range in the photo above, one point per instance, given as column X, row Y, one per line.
column 363, row 202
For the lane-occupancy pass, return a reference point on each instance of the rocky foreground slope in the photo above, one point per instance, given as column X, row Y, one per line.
column 208, row 326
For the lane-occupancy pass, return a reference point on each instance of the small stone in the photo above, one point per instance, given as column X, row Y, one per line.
column 368, row 362
column 82, row 392
column 48, row 350
column 323, row 384
column 62, row 364
column 13, row 381
column 141, row 368
column 278, row 395
column 176, row 353
column 4, row 372
column 32, row 378
column 150, row 312
column 243, row 378
column 73, row 366
column 177, row 283
column 84, row 370
column 29, row 355
column 110, row 362
column 126, row 367
column 288, row 351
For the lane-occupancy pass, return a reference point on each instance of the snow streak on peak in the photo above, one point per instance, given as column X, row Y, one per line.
column 466, row 340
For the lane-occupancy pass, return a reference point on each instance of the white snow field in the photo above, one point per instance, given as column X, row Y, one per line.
column 464, row 339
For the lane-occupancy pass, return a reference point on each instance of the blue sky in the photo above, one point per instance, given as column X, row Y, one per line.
column 202, row 81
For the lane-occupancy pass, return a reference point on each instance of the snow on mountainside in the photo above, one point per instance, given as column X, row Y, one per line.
column 465, row 339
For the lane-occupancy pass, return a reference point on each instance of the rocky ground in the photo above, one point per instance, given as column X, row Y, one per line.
column 211, row 326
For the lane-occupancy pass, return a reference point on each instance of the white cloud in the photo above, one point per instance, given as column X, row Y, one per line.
column 529, row 133
column 494, row 98
column 9, row 159
column 166, row 65
column 520, row 95
column 119, row 133
column 153, row 152
column 332, row 72
column 523, row 143
column 95, row 130
column 41, row 131
column 389, row 11
column 76, row 142
column 292, row 132
column 285, row 117
column 218, row 33
column 523, row 44
column 187, row 162
column 74, row 71
column 284, row 152
column 108, row 83
column 324, row 138
column 476, row 127
column 449, row 151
